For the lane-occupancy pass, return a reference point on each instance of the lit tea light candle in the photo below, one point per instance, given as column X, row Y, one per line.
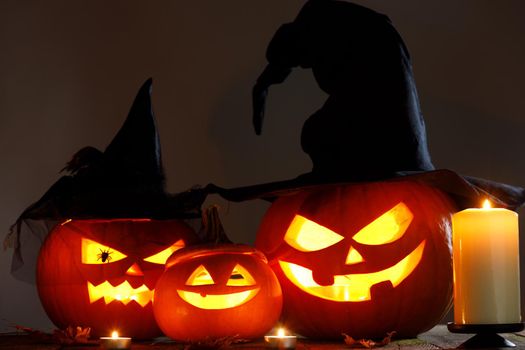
column 486, row 266
column 115, row 342
column 281, row 340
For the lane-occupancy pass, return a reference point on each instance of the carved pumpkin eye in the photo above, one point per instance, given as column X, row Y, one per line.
column 240, row 277
column 162, row 256
column 387, row 228
column 308, row 236
column 200, row 277
column 96, row 253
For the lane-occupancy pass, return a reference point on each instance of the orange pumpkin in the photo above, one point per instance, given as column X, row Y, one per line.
column 217, row 291
column 363, row 259
column 102, row 273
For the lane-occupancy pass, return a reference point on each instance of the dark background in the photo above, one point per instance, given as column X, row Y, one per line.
column 69, row 71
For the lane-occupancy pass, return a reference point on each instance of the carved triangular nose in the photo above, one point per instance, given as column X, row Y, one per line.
column 135, row 270
column 353, row 257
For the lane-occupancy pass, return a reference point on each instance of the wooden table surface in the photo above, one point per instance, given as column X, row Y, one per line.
column 437, row 338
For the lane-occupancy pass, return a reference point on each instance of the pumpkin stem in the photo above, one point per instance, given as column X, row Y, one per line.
column 212, row 226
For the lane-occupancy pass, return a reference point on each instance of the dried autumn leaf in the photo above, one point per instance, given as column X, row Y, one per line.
column 368, row 343
column 69, row 336
column 82, row 335
column 72, row 335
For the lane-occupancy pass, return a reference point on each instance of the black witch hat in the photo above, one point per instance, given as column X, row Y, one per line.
column 371, row 127
column 125, row 181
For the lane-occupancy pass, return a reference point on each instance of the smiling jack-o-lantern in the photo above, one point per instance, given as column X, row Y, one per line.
column 102, row 273
column 365, row 259
column 215, row 292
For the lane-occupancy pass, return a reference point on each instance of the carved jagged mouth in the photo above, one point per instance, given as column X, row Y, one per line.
column 217, row 301
column 123, row 293
column 354, row 287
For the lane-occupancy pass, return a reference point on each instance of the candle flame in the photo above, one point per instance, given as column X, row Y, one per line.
column 114, row 334
column 487, row 204
column 280, row 332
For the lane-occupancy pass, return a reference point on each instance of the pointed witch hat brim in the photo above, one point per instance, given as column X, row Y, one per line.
column 465, row 191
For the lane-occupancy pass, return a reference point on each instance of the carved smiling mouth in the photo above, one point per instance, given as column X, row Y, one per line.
column 123, row 293
column 217, row 301
column 352, row 287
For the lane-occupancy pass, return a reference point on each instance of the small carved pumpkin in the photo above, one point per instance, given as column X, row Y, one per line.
column 102, row 273
column 363, row 259
column 216, row 291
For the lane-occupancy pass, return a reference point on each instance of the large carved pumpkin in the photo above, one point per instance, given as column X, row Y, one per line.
column 363, row 259
column 102, row 273
column 217, row 291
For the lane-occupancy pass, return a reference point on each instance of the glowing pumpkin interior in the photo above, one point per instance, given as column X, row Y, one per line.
column 102, row 273
column 93, row 253
column 306, row 236
column 239, row 278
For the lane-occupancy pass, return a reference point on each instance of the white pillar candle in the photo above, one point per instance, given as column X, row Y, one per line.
column 486, row 266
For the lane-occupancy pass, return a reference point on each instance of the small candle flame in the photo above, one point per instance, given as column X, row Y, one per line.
column 114, row 334
column 280, row 332
column 487, row 204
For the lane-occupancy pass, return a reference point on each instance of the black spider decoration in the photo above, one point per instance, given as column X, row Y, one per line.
column 105, row 255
